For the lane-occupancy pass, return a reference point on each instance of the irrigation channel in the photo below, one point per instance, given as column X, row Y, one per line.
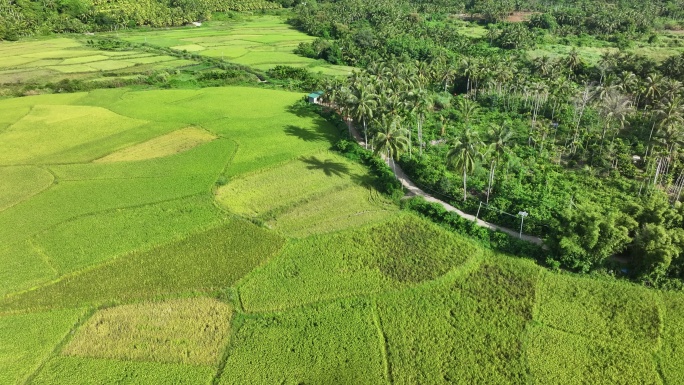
column 414, row 190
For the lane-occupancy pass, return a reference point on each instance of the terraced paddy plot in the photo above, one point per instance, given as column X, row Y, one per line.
column 23, row 142
column 261, row 42
column 337, row 343
column 615, row 313
column 59, row 58
column 188, row 331
column 280, row 187
column 28, row 339
column 203, row 262
column 63, row 370
column 468, row 329
column 314, row 194
column 169, row 144
column 557, row 357
column 397, row 253
column 20, row 183
column 100, row 237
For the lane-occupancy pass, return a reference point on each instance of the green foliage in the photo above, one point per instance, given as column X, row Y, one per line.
column 327, row 343
column 86, row 371
column 384, row 179
column 515, row 36
column 23, row 18
column 29, row 339
column 495, row 240
column 589, row 236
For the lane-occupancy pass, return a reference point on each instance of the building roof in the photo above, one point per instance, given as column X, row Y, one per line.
column 316, row 94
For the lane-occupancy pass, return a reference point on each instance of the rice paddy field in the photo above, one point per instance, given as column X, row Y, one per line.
column 51, row 59
column 211, row 236
column 260, row 42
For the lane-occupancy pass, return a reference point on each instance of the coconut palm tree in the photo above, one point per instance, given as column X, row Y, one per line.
column 614, row 108
column 463, row 155
column 422, row 105
column 364, row 105
column 390, row 140
column 500, row 135
column 468, row 109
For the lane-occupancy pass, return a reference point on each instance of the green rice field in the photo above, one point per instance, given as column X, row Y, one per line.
column 212, row 236
column 260, row 42
column 43, row 60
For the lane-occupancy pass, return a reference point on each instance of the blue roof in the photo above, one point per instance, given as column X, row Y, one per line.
column 316, row 94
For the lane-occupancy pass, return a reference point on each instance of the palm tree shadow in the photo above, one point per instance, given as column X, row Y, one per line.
column 363, row 180
column 328, row 166
column 305, row 134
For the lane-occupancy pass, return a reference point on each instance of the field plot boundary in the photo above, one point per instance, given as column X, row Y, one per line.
column 60, row 345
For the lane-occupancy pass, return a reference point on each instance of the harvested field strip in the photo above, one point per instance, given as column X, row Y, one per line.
column 28, row 339
column 283, row 186
column 207, row 261
column 88, row 371
column 188, row 331
column 169, row 144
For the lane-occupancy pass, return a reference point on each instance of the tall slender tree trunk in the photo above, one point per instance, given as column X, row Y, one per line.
column 491, row 179
column 465, row 176
column 365, row 133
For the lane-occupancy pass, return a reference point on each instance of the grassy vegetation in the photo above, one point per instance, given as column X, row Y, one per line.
column 323, row 344
column 204, row 262
column 187, row 331
column 670, row 356
column 463, row 329
column 21, row 143
column 88, row 371
column 388, row 255
column 342, row 288
column 557, row 357
column 100, row 237
column 616, row 313
column 29, row 339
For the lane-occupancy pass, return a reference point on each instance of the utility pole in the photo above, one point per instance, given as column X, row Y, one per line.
column 522, row 214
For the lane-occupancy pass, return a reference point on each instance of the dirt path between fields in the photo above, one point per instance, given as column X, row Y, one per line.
column 414, row 190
